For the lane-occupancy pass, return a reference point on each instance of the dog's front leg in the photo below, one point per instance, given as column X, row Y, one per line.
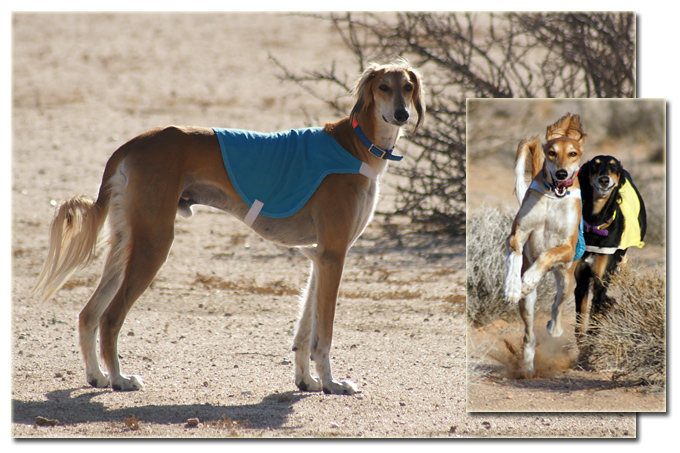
column 303, row 376
column 559, row 255
column 330, row 266
column 513, row 264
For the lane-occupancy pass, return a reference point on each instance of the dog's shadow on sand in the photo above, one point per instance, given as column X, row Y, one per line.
column 270, row 413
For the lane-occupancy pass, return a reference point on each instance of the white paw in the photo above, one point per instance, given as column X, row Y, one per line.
column 340, row 387
column 528, row 370
column 555, row 329
column 308, row 384
column 513, row 290
column 98, row 379
column 530, row 281
column 128, row 383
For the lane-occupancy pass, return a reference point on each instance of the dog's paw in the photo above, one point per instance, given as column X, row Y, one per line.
column 98, row 379
column 530, row 281
column 528, row 371
column 309, row 384
column 513, row 290
column 126, row 383
column 340, row 388
column 555, row 329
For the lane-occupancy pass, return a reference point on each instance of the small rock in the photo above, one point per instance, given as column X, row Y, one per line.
column 192, row 422
column 42, row 421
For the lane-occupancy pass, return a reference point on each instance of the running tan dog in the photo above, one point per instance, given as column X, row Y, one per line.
column 155, row 175
column 545, row 233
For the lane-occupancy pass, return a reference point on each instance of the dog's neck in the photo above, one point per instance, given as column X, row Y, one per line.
column 381, row 134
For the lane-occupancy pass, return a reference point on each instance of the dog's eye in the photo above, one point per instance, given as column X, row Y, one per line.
column 552, row 153
column 384, row 87
column 573, row 154
column 408, row 87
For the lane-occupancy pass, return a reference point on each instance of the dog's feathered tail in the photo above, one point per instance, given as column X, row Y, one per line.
column 73, row 239
column 529, row 157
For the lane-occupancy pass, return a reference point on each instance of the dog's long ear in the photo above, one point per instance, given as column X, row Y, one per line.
column 569, row 126
column 624, row 176
column 418, row 98
column 584, row 175
column 362, row 91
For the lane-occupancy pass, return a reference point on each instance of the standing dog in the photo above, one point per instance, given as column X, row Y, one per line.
column 147, row 180
column 545, row 232
column 615, row 219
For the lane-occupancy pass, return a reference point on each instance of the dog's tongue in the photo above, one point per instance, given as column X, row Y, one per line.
column 566, row 183
column 562, row 186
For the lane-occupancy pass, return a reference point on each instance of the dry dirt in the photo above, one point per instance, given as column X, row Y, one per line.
column 212, row 335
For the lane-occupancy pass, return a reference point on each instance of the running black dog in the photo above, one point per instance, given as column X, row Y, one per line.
column 614, row 219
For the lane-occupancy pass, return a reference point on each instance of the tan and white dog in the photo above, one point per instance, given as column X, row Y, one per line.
column 148, row 179
column 545, row 232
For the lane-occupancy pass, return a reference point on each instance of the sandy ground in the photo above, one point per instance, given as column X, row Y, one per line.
column 212, row 335
column 493, row 383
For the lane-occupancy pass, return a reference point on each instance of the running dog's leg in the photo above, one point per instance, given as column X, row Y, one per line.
column 546, row 260
column 526, row 311
column 303, row 376
column 513, row 277
column 582, row 275
column 330, row 265
column 565, row 283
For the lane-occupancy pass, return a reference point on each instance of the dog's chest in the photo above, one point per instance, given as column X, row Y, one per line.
column 552, row 222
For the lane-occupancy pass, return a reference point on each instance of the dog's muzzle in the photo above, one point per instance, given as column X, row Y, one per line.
column 399, row 118
column 604, row 185
column 562, row 183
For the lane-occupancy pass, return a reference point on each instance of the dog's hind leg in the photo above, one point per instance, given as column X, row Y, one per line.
column 118, row 242
column 564, row 282
column 527, row 306
column 89, row 321
column 583, row 276
column 148, row 251
column 303, row 377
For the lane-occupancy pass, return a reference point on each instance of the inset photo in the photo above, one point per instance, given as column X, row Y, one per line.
column 566, row 255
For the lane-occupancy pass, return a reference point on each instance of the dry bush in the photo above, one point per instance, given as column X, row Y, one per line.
column 487, row 231
column 630, row 341
column 474, row 55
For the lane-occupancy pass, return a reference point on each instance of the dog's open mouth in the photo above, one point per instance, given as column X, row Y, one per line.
column 562, row 187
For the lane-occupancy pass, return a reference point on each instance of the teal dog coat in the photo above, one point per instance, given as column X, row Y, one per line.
column 276, row 174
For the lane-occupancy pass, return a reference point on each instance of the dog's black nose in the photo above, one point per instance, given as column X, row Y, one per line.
column 561, row 175
column 401, row 115
column 604, row 180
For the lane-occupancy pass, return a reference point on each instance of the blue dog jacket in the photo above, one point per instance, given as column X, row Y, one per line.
column 276, row 174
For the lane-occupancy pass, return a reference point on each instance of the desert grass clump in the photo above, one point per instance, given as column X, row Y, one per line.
column 487, row 231
column 630, row 340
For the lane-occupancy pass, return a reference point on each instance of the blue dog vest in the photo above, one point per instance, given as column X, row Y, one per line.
column 276, row 174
